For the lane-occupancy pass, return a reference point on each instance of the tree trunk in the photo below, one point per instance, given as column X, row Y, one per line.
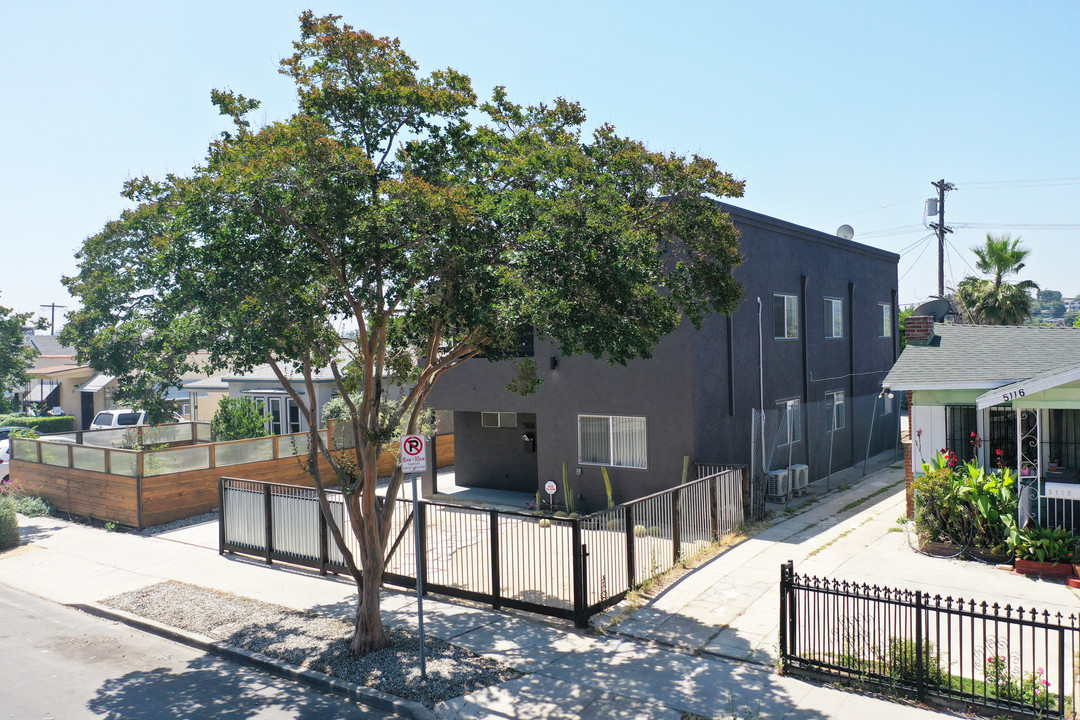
column 368, row 631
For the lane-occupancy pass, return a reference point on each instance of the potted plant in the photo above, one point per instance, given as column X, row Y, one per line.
column 1049, row 552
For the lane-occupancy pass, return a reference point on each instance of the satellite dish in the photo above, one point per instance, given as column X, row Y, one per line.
column 936, row 309
column 845, row 232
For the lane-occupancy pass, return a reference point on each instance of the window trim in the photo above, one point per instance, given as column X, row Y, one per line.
column 831, row 406
column 502, row 419
column 788, row 404
column 611, row 441
column 885, row 330
column 790, row 310
column 834, row 310
column 283, row 425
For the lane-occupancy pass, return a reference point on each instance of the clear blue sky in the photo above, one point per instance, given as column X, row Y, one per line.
column 833, row 112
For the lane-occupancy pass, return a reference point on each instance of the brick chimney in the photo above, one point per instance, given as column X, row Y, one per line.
column 919, row 329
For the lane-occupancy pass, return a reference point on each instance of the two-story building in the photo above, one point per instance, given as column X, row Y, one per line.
column 792, row 377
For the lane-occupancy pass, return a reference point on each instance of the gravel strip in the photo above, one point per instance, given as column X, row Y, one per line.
column 211, row 516
column 316, row 642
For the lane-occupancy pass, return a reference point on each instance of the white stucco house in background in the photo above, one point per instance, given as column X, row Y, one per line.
column 1003, row 395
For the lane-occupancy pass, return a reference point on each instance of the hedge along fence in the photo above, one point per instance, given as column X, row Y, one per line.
column 151, row 487
column 41, row 424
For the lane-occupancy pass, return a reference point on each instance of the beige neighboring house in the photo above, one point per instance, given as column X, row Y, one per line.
column 203, row 397
column 57, row 380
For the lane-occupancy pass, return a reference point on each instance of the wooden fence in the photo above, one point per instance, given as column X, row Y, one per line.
column 144, row 488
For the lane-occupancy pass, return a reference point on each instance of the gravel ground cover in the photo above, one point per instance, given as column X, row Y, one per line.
column 316, row 642
column 211, row 516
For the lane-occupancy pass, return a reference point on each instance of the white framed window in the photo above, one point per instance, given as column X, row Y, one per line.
column 886, row 319
column 282, row 413
column 834, row 410
column 789, row 423
column 498, row 420
column 785, row 317
column 616, row 440
column 834, row 318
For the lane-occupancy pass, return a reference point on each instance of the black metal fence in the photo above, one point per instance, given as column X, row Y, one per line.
column 572, row 568
column 955, row 652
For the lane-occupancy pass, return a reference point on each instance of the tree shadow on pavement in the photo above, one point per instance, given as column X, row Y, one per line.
column 213, row 688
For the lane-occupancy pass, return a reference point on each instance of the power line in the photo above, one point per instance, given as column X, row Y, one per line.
column 1001, row 184
column 900, row 230
column 912, row 246
column 916, row 262
column 873, row 209
column 957, row 251
column 1017, row 226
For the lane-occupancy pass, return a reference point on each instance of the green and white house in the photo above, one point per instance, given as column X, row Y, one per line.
column 1006, row 396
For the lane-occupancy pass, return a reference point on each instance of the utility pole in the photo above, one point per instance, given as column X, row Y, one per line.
column 942, row 188
column 52, row 323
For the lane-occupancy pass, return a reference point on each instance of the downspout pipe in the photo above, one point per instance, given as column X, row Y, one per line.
column 761, row 383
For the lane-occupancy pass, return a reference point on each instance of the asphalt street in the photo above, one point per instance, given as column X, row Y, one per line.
column 62, row 664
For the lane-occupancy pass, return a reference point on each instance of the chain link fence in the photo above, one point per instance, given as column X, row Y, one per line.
column 800, row 447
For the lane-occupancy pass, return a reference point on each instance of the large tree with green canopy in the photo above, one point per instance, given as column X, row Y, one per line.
column 16, row 356
column 394, row 227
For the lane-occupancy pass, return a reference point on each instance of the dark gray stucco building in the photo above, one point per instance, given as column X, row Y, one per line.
column 810, row 344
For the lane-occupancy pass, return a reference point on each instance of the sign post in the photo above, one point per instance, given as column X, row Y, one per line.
column 414, row 462
column 550, row 487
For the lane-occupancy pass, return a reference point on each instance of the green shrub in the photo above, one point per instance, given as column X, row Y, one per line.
column 1053, row 545
column 43, row 424
column 24, row 432
column 32, row 506
column 965, row 505
column 9, row 525
column 238, row 419
column 902, row 662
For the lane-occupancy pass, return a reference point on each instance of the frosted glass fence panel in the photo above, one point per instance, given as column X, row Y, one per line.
column 88, row 458
column 123, row 462
column 298, row 444
column 202, row 432
column 343, row 437
column 109, row 438
column 164, row 462
column 55, row 453
column 244, row 451
column 24, row 450
column 169, row 433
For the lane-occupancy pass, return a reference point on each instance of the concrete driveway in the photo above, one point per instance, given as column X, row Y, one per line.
column 729, row 607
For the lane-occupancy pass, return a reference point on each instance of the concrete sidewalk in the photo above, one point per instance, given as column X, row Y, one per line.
column 729, row 608
column 704, row 646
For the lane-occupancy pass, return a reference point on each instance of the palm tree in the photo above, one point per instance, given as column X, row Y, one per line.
column 994, row 300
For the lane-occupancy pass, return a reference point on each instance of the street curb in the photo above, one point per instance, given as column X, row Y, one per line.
column 370, row 697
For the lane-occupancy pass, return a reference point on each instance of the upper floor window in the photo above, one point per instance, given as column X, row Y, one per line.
column 834, row 410
column 834, row 318
column 785, row 317
column 886, row 319
column 612, row 440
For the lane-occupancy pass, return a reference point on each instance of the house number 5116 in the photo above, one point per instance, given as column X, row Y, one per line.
column 1013, row 394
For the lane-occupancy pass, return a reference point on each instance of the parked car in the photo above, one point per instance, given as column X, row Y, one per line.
column 6, row 431
column 118, row 417
column 5, row 460
column 123, row 417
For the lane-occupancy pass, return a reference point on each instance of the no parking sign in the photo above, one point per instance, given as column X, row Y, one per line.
column 413, row 454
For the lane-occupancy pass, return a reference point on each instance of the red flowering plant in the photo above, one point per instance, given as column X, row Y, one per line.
column 964, row 505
